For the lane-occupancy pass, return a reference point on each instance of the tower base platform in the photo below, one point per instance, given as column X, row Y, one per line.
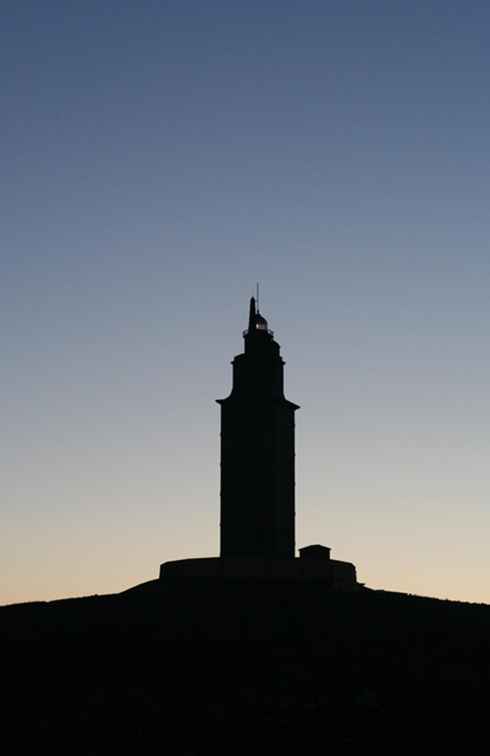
column 337, row 576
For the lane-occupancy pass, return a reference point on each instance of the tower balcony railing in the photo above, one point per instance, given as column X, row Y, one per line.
column 267, row 330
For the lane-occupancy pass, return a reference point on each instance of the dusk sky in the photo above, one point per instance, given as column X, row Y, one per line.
column 158, row 158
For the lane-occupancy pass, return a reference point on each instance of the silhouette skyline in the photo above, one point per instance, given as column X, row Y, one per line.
column 158, row 159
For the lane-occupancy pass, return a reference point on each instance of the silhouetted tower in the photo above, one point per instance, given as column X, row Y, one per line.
column 257, row 452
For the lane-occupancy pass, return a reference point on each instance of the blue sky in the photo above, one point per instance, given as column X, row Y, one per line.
column 157, row 159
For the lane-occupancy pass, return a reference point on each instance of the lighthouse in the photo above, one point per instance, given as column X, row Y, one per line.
column 257, row 511
column 257, row 452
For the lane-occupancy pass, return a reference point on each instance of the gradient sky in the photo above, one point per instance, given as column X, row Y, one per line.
column 160, row 157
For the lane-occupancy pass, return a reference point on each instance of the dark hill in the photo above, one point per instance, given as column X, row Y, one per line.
column 195, row 667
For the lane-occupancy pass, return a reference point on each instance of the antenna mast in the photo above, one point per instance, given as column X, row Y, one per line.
column 257, row 298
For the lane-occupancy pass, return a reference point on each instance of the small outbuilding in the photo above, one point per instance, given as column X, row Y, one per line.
column 315, row 551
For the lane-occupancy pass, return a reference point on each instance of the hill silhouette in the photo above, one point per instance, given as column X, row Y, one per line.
column 192, row 667
column 202, row 662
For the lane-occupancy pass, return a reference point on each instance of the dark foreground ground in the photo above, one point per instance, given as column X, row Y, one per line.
column 241, row 669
